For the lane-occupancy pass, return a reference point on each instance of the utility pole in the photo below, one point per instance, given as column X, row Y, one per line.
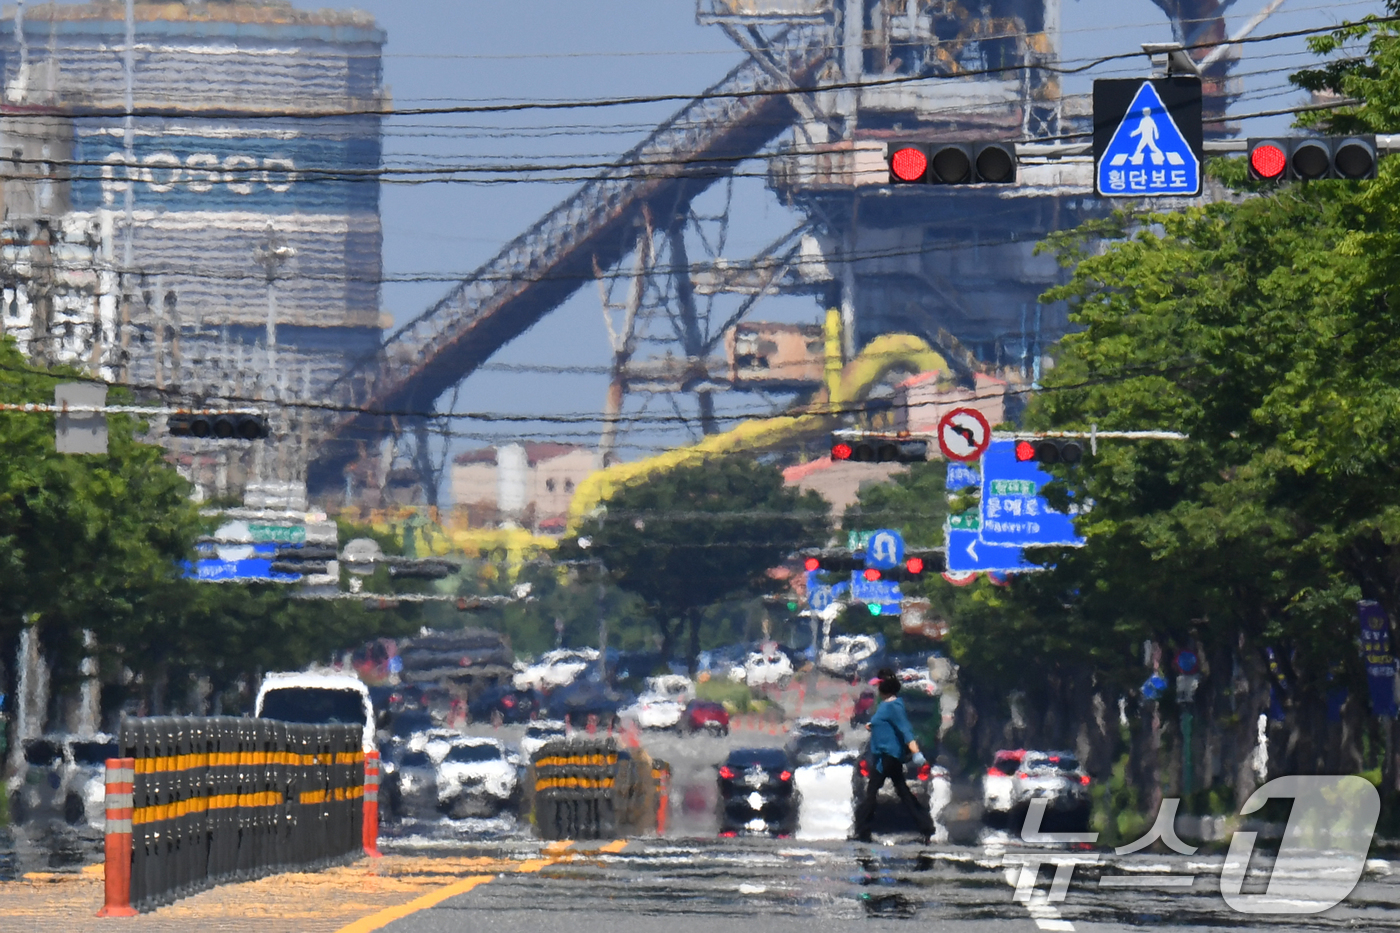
column 271, row 255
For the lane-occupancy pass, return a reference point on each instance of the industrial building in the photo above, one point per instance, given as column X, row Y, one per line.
column 190, row 206
column 826, row 86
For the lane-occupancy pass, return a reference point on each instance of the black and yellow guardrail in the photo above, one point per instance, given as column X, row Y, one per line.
column 224, row 799
column 591, row 788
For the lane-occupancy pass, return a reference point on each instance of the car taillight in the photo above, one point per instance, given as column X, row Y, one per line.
column 508, row 702
column 1022, row 775
column 864, row 768
column 729, row 834
column 785, row 776
column 995, row 772
column 925, row 772
column 1084, row 779
column 726, row 772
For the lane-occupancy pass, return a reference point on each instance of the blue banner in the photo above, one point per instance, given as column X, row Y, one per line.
column 1375, row 652
column 1013, row 511
column 237, row 171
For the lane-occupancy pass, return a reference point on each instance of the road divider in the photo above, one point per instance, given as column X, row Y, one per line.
column 200, row 801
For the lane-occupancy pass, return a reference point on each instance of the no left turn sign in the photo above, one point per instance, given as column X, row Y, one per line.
column 963, row 434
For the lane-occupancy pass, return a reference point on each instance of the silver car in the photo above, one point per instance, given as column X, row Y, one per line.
column 1055, row 777
column 65, row 778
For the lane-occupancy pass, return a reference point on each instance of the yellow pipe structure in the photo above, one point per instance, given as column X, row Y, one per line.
column 843, row 386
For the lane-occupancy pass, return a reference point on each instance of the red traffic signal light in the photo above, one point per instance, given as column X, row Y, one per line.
column 952, row 163
column 1049, row 450
column 872, row 574
column 1312, row 158
column 908, row 164
column 880, row 448
column 1267, row 160
column 812, row 563
column 914, row 565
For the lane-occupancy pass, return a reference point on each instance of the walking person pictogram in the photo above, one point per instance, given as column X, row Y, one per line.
column 890, row 736
column 1147, row 134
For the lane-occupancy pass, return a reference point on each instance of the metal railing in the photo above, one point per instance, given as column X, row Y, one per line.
column 202, row 801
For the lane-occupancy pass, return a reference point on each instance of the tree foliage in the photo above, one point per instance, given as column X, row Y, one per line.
column 690, row 537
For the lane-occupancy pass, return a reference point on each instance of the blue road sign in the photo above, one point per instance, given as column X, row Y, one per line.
column 822, row 595
column 967, row 553
column 884, row 593
column 254, row 569
column 1013, row 511
column 961, row 476
column 884, row 550
column 1148, row 155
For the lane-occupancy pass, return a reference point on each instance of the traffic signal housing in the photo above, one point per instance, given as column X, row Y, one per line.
column 912, row 569
column 986, row 162
column 221, row 427
column 879, row 448
column 1312, row 158
column 1049, row 450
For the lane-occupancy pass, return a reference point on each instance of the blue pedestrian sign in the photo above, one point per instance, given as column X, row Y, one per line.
column 884, row 550
column 1013, row 512
column 1148, row 154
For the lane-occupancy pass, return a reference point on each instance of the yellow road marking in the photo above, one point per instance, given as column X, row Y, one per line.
column 554, row 852
column 389, row 914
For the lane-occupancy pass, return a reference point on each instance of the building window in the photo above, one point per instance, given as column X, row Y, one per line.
column 549, row 484
column 568, row 485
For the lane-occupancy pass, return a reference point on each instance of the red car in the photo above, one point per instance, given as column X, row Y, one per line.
column 707, row 715
column 864, row 708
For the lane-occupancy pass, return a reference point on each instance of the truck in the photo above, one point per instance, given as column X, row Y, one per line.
column 311, row 697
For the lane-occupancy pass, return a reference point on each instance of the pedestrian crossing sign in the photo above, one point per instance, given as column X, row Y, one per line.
column 1141, row 150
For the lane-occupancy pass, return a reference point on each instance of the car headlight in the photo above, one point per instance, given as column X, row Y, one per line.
column 406, row 784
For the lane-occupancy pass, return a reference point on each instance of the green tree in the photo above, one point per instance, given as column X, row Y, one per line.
column 692, row 536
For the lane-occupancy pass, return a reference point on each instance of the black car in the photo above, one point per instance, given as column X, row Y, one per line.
column 510, row 704
column 586, row 697
column 756, row 793
column 812, row 741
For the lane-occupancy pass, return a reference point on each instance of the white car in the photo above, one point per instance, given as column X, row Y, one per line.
column 435, row 743
column 540, row 733
column 676, row 687
column 554, row 669
column 653, row 711
column 843, row 659
column 477, row 777
column 767, row 668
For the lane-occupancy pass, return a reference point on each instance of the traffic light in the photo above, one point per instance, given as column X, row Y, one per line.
column 305, row 559
column 839, row 561
column 1310, row 158
column 911, row 569
column 879, row 448
column 1049, row 450
column 971, row 163
column 427, row 569
column 222, row 427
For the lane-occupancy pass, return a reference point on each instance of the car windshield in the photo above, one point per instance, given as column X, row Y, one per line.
column 415, row 760
column 543, row 732
column 405, row 724
column 94, row 753
column 1051, row 763
column 816, row 728
column 807, row 744
column 42, row 752
column 763, row 757
column 470, row 753
column 313, row 704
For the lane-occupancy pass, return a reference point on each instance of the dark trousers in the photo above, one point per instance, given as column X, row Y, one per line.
column 893, row 769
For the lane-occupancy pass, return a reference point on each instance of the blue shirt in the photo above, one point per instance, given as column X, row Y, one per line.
column 890, row 731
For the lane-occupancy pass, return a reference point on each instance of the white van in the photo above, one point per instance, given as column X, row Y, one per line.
column 317, row 698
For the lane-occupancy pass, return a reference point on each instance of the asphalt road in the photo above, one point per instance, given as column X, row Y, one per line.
column 707, row 885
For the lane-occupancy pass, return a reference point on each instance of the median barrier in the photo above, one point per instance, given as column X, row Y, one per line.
column 196, row 802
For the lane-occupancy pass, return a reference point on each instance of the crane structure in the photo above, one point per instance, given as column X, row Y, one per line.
column 824, row 86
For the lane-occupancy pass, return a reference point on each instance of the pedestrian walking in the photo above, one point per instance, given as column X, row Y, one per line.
column 890, row 736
